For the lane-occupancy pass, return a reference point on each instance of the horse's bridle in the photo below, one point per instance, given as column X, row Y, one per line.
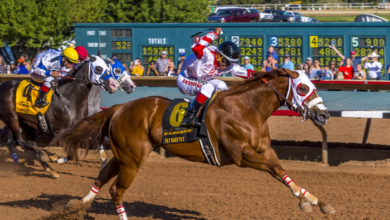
column 121, row 79
column 303, row 111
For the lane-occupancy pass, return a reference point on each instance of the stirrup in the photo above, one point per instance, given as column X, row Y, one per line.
column 41, row 103
column 190, row 120
column 41, row 100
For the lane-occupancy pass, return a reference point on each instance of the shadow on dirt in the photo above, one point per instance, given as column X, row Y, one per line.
column 56, row 204
column 143, row 210
column 44, row 201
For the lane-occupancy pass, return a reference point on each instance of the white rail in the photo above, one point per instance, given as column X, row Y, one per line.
column 317, row 6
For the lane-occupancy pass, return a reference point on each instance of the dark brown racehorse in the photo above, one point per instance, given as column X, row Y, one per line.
column 64, row 112
column 236, row 121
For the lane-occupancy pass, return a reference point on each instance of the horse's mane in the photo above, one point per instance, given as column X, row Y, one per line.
column 242, row 86
column 72, row 74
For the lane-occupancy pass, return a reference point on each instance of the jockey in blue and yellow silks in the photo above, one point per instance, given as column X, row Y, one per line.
column 47, row 66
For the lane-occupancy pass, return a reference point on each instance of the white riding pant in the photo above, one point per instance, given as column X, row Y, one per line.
column 41, row 79
column 191, row 86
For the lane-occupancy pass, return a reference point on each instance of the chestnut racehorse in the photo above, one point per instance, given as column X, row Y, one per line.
column 236, row 122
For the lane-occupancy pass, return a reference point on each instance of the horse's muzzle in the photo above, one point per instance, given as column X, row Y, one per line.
column 111, row 85
column 321, row 118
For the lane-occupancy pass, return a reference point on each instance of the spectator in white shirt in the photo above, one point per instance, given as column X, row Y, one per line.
column 374, row 67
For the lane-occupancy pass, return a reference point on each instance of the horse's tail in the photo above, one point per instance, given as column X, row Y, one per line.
column 88, row 132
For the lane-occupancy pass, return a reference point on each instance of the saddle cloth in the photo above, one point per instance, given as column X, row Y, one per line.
column 26, row 95
column 174, row 134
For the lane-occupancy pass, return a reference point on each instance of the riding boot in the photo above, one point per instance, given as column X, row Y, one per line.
column 190, row 119
column 41, row 100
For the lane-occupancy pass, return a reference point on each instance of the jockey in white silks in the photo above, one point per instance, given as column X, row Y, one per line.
column 48, row 65
column 200, row 68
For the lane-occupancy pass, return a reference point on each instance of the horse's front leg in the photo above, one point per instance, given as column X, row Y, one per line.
column 268, row 161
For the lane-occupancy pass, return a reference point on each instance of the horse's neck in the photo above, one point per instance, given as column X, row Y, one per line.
column 273, row 101
column 76, row 92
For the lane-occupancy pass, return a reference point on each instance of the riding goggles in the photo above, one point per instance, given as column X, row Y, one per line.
column 70, row 62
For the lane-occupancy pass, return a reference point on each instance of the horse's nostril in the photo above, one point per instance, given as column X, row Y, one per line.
column 321, row 117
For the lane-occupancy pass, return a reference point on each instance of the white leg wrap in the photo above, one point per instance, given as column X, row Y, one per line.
column 91, row 195
column 102, row 154
column 121, row 212
column 291, row 185
column 62, row 161
column 313, row 200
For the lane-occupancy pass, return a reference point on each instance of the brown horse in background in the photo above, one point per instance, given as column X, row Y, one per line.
column 236, row 121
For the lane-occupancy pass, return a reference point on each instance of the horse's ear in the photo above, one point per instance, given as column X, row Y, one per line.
column 111, row 61
column 93, row 59
column 98, row 53
column 292, row 74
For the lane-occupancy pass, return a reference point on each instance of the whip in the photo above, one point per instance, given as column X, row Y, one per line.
column 208, row 29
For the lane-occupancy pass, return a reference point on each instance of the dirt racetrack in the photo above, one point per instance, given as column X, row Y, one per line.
column 176, row 189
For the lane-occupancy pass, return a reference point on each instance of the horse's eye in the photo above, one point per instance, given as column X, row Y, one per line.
column 99, row 70
column 117, row 71
column 303, row 89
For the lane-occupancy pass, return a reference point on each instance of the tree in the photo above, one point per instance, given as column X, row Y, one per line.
column 30, row 26
column 155, row 11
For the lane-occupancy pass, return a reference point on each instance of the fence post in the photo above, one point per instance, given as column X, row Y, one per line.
column 366, row 131
column 324, row 145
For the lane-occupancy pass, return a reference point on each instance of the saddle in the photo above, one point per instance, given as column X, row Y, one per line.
column 26, row 96
column 174, row 134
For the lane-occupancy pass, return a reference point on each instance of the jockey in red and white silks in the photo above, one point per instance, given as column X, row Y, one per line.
column 200, row 68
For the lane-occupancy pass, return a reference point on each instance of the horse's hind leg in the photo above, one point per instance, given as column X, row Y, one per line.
column 123, row 181
column 268, row 161
column 105, row 175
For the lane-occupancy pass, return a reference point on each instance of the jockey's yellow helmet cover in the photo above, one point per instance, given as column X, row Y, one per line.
column 70, row 54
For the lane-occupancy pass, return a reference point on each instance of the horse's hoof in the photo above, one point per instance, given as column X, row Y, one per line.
column 71, row 203
column 328, row 209
column 53, row 158
column 53, row 173
column 306, row 207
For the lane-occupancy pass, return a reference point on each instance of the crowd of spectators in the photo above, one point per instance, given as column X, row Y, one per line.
column 22, row 66
column 349, row 68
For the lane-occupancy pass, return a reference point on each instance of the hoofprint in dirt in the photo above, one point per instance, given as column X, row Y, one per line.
column 176, row 189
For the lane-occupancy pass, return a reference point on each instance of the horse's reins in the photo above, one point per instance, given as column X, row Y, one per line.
column 80, row 80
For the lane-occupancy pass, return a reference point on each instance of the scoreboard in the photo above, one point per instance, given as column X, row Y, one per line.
column 218, row 41
column 153, row 53
column 121, row 44
column 251, row 46
column 288, row 45
column 299, row 40
column 321, row 51
column 365, row 45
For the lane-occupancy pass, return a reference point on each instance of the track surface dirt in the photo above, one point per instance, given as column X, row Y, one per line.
column 176, row 189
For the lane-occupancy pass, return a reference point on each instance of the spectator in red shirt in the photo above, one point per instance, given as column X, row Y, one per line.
column 348, row 69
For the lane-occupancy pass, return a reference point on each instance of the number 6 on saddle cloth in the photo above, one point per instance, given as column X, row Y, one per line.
column 173, row 134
